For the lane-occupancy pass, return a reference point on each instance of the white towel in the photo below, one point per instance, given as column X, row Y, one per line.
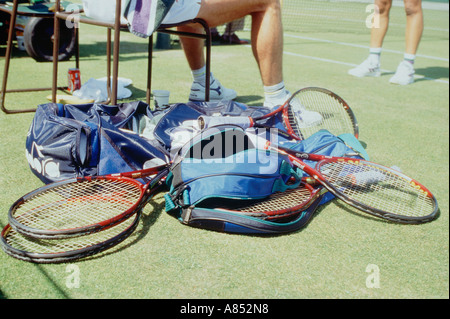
column 145, row 16
column 97, row 89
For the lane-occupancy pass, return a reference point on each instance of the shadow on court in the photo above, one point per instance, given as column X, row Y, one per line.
column 434, row 72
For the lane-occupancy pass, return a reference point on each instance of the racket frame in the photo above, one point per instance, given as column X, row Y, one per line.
column 284, row 109
column 298, row 158
column 65, row 256
column 342, row 102
column 296, row 208
column 146, row 191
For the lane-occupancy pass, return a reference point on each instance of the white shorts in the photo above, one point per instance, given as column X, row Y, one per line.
column 182, row 10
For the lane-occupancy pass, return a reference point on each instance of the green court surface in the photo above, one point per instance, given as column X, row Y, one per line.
column 337, row 254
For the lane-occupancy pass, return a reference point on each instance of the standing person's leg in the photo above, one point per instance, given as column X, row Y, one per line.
column 378, row 31
column 371, row 66
column 413, row 33
column 414, row 25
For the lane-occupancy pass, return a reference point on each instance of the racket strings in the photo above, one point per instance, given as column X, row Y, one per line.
column 32, row 245
column 276, row 205
column 335, row 117
column 378, row 188
column 293, row 122
column 77, row 204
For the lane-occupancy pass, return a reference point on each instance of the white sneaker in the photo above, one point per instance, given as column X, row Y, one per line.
column 304, row 117
column 404, row 74
column 367, row 68
column 217, row 92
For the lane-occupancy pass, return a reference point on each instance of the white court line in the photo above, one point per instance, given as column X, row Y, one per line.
column 362, row 22
column 353, row 65
column 361, row 46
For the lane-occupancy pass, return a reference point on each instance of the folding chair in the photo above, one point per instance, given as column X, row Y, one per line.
column 117, row 27
column 40, row 10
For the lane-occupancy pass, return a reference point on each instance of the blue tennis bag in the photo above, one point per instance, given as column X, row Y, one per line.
column 67, row 141
column 203, row 176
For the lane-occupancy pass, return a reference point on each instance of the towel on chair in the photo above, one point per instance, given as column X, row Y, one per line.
column 145, row 16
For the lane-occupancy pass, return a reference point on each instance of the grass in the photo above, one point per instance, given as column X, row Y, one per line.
column 403, row 126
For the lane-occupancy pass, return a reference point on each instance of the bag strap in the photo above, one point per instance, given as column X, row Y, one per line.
column 352, row 142
column 219, row 220
column 235, row 223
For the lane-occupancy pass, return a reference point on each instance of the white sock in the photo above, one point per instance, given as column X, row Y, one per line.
column 374, row 55
column 199, row 74
column 409, row 57
column 276, row 93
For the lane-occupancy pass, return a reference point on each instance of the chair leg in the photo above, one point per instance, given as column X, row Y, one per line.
column 208, row 55
column 149, row 69
column 3, row 91
column 55, row 54
column 108, row 66
column 208, row 62
column 116, row 52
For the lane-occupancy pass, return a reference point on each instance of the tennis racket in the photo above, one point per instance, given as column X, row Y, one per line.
column 334, row 113
column 279, row 205
column 337, row 116
column 372, row 188
column 256, row 218
column 63, row 250
column 85, row 205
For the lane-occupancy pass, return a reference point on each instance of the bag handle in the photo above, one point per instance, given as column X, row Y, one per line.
column 295, row 177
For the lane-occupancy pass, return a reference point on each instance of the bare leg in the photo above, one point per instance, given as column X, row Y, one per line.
column 377, row 34
column 414, row 25
column 266, row 36
column 193, row 48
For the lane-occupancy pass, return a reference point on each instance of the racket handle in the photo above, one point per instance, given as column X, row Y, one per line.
column 208, row 121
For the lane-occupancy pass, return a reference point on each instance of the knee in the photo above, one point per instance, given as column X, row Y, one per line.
column 384, row 6
column 275, row 4
column 264, row 5
column 412, row 7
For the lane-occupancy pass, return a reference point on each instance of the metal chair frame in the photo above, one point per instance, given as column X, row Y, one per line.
column 37, row 10
column 117, row 27
column 110, row 48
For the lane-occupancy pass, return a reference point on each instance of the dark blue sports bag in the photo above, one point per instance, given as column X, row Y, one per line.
column 66, row 141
